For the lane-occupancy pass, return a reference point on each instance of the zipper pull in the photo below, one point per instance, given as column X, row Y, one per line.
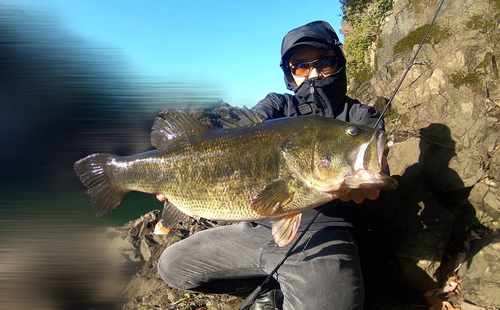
column 311, row 87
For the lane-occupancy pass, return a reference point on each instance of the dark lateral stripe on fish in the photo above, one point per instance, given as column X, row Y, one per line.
column 105, row 194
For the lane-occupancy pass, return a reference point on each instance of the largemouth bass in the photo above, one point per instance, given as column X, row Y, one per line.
column 255, row 170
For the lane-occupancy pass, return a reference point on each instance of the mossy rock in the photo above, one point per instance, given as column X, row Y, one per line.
column 436, row 35
column 460, row 78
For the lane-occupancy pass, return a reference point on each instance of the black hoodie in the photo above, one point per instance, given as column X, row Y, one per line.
column 327, row 98
column 319, row 96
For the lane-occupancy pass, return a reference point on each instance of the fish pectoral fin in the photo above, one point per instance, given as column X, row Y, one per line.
column 273, row 197
column 285, row 229
column 169, row 217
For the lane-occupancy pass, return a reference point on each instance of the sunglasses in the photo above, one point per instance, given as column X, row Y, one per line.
column 325, row 65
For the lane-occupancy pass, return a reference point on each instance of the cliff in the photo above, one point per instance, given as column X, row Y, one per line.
column 445, row 119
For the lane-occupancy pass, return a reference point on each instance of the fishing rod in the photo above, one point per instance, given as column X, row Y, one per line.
column 251, row 298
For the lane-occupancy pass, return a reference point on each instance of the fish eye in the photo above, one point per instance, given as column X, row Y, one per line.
column 352, row 131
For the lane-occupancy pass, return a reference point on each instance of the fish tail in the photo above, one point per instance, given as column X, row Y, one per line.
column 105, row 192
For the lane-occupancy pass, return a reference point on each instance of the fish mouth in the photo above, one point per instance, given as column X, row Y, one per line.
column 367, row 163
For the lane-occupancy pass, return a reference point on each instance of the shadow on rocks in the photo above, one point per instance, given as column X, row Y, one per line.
column 418, row 234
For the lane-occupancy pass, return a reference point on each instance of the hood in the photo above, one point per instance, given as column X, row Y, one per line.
column 329, row 92
column 319, row 34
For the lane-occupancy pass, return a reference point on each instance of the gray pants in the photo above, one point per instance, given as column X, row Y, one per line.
column 323, row 272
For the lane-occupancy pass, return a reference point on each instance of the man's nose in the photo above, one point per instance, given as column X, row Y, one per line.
column 313, row 73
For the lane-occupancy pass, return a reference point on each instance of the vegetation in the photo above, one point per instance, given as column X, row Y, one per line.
column 360, row 26
column 211, row 116
column 477, row 22
column 436, row 35
column 393, row 115
column 497, row 2
column 489, row 58
column 487, row 25
column 460, row 78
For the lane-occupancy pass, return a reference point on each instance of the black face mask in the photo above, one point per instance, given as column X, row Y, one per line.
column 325, row 96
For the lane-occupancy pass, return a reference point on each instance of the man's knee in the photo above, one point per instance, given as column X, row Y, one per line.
column 168, row 267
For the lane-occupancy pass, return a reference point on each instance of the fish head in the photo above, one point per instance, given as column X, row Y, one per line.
column 339, row 156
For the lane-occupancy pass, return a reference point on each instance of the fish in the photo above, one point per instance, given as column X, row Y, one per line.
column 253, row 169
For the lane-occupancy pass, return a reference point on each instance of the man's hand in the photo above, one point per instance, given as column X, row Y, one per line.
column 358, row 195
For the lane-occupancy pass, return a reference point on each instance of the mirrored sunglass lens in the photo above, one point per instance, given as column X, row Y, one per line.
column 328, row 63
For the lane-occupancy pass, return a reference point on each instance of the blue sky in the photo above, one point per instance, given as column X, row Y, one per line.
column 231, row 47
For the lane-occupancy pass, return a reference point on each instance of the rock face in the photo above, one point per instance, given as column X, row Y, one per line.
column 449, row 107
column 445, row 119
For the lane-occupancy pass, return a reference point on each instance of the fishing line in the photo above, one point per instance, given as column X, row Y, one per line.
column 298, row 258
column 412, row 63
column 251, row 298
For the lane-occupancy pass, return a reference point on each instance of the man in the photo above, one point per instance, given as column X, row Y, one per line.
column 323, row 272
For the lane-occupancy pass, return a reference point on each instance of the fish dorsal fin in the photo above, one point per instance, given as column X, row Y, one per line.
column 169, row 217
column 228, row 123
column 249, row 118
column 172, row 126
column 285, row 229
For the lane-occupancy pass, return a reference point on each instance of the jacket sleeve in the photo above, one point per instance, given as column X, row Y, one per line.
column 273, row 106
column 364, row 114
